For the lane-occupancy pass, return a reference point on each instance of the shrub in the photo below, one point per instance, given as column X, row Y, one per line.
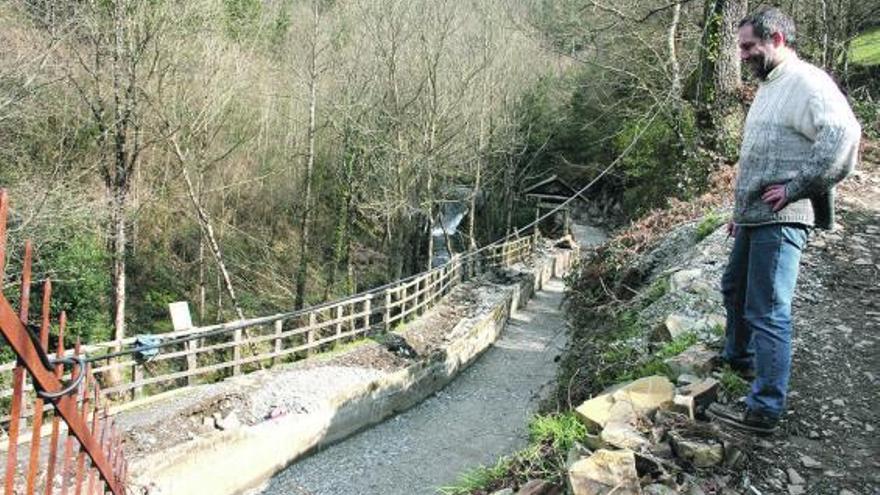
column 80, row 285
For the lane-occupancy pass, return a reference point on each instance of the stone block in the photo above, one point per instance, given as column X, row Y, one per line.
column 695, row 360
column 594, row 442
column 605, row 472
column 700, row 453
column 620, row 429
column 594, row 412
column 647, row 394
column 694, row 398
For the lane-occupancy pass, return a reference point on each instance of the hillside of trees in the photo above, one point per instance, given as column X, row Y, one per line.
column 250, row 156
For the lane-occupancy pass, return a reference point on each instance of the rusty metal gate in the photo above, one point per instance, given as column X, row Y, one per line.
column 82, row 453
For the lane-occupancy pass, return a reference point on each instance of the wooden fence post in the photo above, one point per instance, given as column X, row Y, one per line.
column 386, row 318
column 192, row 360
column 368, row 309
column 401, row 302
column 279, row 328
column 236, row 352
column 310, row 335
column 537, row 232
column 339, row 315
column 137, row 374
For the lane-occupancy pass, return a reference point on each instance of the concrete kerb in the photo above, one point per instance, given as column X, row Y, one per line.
column 235, row 461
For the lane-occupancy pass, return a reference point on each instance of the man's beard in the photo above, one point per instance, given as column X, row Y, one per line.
column 760, row 66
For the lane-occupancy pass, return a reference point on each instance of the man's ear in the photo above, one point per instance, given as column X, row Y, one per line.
column 778, row 40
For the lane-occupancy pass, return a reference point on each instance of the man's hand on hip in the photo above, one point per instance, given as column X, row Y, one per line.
column 775, row 196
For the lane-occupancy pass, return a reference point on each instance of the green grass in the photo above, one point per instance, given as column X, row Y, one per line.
column 732, row 384
column 559, row 430
column 657, row 290
column 866, row 48
column 708, row 224
column 677, row 346
column 480, row 478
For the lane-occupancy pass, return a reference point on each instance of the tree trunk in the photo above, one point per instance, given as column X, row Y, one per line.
column 202, row 289
column 118, row 177
column 302, row 271
column 719, row 113
column 671, row 37
column 119, row 268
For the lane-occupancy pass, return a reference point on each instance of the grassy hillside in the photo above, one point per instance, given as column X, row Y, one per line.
column 866, row 48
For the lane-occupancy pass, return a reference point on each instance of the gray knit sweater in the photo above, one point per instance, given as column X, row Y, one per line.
column 800, row 132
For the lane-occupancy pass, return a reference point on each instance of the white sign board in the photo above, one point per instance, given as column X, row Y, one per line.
column 180, row 317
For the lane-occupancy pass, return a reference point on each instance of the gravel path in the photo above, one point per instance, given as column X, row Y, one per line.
column 479, row 417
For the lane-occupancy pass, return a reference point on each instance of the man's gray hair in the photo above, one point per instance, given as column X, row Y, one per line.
column 768, row 21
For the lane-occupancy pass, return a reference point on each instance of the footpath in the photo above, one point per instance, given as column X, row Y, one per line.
column 474, row 420
column 479, row 417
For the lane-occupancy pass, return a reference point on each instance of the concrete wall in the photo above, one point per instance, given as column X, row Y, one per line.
column 232, row 462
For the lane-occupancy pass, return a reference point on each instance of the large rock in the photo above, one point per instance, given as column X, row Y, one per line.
column 620, row 429
column 605, row 472
column 694, row 398
column 576, row 453
column 594, row 442
column 700, row 453
column 695, row 360
column 595, row 412
column 647, row 394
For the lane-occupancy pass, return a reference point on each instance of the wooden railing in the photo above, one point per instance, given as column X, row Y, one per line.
column 210, row 353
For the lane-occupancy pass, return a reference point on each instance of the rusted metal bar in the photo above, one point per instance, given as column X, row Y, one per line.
column 95, row 430
column 84, row 408
column 33, row 464
column 65, row 465
column 18, row 372
column 56, row 419
column 14, row 428
column 4, row 209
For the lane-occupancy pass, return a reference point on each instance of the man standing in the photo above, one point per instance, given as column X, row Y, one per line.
column 800, row 139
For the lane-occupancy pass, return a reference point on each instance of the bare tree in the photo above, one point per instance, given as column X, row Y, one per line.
column 116, row 55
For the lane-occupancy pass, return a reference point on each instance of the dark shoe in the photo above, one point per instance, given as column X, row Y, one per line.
column 739, row 416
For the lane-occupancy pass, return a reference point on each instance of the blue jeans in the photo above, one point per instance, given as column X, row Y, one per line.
column 758, row 286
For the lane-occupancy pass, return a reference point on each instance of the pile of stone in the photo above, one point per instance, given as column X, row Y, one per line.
column 646, row 435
